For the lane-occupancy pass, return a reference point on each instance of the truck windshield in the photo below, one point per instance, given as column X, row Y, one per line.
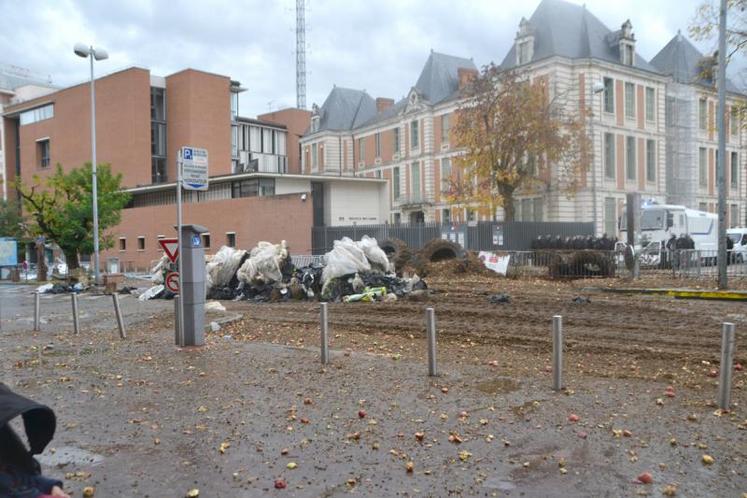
column 734, row 237
column 653, row 219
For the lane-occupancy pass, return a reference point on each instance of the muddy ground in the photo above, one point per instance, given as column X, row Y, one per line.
column 141, row 418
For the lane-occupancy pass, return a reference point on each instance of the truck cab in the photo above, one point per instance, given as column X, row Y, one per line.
column 739, row 237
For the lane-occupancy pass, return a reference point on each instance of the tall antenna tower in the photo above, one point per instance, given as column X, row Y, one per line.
column 301, row 54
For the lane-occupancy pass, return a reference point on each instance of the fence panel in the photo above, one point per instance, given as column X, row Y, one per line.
column 479, row 236
column 693, row 263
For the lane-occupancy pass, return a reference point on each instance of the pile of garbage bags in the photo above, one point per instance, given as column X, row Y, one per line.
column 57, row 288
column 352, row 271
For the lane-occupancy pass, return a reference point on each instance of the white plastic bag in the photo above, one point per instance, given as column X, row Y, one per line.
column 223, row 266
column 375, row 255
column 346, row 257
column 264, row 263
column 156, row 273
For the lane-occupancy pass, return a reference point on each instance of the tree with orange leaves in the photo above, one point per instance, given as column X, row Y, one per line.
column 511, row 133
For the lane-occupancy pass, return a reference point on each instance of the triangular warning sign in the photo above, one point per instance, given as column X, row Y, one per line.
column 171, row 248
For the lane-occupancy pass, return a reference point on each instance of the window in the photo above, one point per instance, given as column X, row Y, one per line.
column 157, row 104
column 234, row 141
column 702, row 206
column 610, row 216
column 446, row 216
column 537, row 205
column 38, row 114
column 734, row 216
column 396, row 139
column 234, row 105
column 629, row 100
column 122, row 244
column 361, row 149
column 414, row 135
column 702, row 167
column 314, row 157
column 231, row 239
column 609, row 155
column 734, row 120
column 609, row 95
column 470, row 214
column 526, row 210
column 650, row 160
column 395, row 182
column 415, row 181
column 158, row 139
column 158, row 170
column 397, row 218
column 703, row 114
column 734, row 173
column 445, row 174
column 377, row 144
column 445, row 128
column 523, row 50
column 630, row 158
column 628, row 54
column 650, row 103
column 42, row 150
column 141, row 243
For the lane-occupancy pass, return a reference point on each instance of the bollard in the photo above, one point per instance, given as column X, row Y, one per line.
column 727, row 356
column 324, row 327
column 118, row 312
column 37, row 311
column 557, row 352
column 178, row 335
column 430, row 332
column 76, row 316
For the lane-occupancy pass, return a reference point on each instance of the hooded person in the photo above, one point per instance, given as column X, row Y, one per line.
column 20, row 473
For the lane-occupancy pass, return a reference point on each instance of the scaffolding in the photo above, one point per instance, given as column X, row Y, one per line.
column 681, row 158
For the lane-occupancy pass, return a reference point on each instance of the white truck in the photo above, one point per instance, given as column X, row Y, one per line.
column 660, row 221
column 739, row 237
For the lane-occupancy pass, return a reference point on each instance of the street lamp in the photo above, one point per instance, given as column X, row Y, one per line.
column 597, row 87
column 82, row 50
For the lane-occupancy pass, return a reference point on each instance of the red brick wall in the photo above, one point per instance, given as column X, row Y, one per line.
column 639, row 106
column 619, row 103
column 122, row 128
column 282, row 217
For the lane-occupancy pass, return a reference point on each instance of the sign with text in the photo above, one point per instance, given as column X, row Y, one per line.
column 194, row 168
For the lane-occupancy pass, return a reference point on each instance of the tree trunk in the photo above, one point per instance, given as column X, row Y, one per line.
column 71, row 259
column 41, row 263
column 509, row 210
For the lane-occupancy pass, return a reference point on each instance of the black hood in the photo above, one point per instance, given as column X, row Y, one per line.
column 38, row 420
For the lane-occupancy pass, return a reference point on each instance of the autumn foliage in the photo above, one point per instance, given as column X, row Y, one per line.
column 514, row 136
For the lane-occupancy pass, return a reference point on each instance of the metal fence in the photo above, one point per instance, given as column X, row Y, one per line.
column 692, row 263
column 478, row 236
column 565, row 264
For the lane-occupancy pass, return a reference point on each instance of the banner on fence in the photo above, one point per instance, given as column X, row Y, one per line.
column 455, row 233
column 493, row 261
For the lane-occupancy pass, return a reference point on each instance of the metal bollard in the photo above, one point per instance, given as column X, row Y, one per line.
column 37, row 311
column 324, row 327
column 76, row 316
column 178, row 335
column 118, row 312
column 557, row 352
column 430, row 332
column 727, row 356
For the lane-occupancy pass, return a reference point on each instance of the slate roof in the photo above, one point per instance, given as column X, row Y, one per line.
column 569, row 30
column 345, row 109
column 680, row 59
column 439, row 78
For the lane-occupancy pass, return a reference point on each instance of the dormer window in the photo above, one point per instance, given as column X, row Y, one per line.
column 627, row 44
column 314, row 118
column 524, row 42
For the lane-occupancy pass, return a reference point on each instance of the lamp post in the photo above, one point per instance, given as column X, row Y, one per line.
column 99, row 54
column 597, row 87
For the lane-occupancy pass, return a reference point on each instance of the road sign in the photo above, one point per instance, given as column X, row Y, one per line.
column 172, row 282
column 171, row 248
column 194, row 168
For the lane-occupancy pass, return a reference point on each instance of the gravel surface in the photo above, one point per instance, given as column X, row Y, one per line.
column 143, row 418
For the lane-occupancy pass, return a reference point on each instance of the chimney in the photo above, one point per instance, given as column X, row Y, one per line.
column 466, row 75
column 383, row 104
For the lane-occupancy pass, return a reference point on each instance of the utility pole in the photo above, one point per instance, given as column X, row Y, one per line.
column 721, row 165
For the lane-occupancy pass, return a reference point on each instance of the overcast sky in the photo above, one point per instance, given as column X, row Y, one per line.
column 379, row 46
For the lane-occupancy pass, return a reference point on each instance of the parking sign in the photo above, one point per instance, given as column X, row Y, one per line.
column 194, row 168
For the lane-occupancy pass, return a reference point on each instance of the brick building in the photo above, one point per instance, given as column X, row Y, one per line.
column 651, row 124
column 143, row 120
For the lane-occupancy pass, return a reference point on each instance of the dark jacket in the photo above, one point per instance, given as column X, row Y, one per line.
column 20, row 473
